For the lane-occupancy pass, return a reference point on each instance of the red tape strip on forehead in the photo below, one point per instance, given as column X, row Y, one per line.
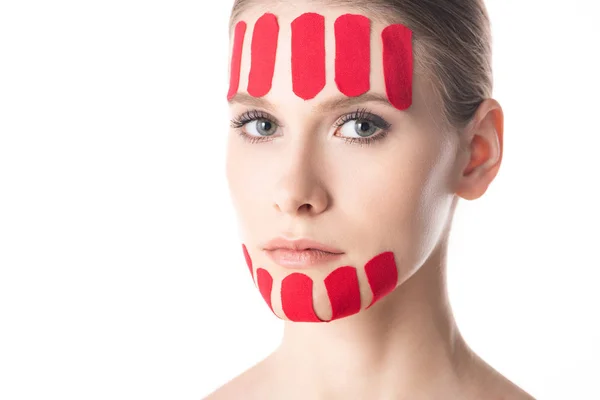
column 352, row 54
column 236, row 59
column 343, row 291
column 398, row 64
column 296, row 298
column 263, row 51
column 308, row 55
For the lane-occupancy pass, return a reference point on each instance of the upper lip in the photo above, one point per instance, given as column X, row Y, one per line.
column 299, row 244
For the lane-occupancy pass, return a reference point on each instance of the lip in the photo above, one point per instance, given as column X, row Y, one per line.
column 301, row 258
column 299, row 245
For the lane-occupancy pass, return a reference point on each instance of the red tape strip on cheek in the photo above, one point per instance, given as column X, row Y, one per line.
column 398, row 65
column 265, row 285
column 343, row 291
column 236, row 59
column 263, row 50
column 352, row 54
column 296, row 298
column 308, row 55
column 382, row 275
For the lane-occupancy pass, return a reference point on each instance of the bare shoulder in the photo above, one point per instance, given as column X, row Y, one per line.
column 507, row 390
column 249, row 385
column 492, row 385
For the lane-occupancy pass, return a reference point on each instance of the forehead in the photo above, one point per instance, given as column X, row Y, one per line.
column 316, row 52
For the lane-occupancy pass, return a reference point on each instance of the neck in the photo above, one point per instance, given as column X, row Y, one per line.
column 407, row 343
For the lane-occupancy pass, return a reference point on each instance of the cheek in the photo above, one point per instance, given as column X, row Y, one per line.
column 233, row 172
column 381, row 195
column 240, row 188
column 419, row 206
column 395, row 203
column 250, row 185
column 390, row 217
column 245, row 176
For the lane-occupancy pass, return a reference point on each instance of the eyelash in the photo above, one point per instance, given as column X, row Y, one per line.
column 361, row 114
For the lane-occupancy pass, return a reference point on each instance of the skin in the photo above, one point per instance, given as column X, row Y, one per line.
column 397, row 194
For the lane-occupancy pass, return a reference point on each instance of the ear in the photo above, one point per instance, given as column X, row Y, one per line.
column 484, row 150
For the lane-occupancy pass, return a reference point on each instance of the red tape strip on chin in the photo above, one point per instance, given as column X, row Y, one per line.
column 248, row 260
column 343, row 291
column 382, row 275
column 265, row 285
column 296, row 298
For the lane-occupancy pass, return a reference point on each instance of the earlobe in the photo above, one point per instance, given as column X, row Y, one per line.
column 485, row 151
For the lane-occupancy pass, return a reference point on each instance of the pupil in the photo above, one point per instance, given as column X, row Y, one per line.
column 264, row 126
column 363, row 128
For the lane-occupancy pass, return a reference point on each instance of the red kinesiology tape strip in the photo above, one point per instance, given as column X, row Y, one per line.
column 248, row 260
column 343, row 291
column 308, row 55
column 296, row 298
column 265, row 285
column 263, row 50
column 398, row 64
column 352, row 54
column 382, row 275
column 236, row 59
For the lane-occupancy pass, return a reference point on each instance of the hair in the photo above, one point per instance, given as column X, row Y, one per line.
column 451, row 44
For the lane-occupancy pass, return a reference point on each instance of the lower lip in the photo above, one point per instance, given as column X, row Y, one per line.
column 302, row 258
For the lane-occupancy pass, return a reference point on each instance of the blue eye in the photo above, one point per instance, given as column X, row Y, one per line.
column 363, row 128
column 257, row 126
column 261, row 127
column 364, row 124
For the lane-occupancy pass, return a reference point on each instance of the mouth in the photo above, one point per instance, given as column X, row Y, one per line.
column 301, row 258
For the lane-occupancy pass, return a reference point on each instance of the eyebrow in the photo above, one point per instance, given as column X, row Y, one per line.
column 332, row 104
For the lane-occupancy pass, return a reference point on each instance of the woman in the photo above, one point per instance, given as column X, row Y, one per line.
column 356, row 127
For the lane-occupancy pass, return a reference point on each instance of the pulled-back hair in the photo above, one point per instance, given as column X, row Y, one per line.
column 451, row 44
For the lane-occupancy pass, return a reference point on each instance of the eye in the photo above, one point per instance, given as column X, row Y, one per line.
column 362, row 128
column 255, row 126
column 260, row 127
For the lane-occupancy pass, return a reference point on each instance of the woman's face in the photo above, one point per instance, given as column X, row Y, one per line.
column 306, row 175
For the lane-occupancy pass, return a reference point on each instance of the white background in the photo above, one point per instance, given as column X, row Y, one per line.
column 121, row 274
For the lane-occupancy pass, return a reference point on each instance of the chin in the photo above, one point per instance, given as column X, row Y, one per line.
column 339, row 293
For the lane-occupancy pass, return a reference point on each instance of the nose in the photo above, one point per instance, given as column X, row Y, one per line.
column 300, row 188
